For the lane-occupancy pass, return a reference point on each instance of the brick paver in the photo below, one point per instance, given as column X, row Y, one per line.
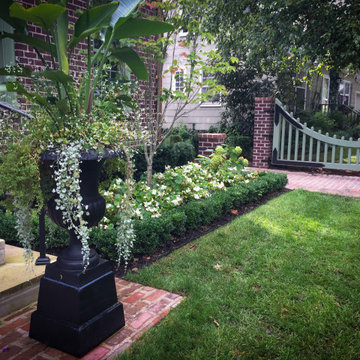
column 143, row 306
column 317, row 182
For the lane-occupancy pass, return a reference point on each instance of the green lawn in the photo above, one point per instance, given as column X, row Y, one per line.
column 282, row 282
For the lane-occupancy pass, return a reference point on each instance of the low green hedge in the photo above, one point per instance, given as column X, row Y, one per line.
column 154, row 232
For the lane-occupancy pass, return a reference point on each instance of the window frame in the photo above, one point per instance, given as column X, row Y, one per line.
column 205, row 104
column 7, row 57
column 342, row 93
column 325, row 100
column 176, row 79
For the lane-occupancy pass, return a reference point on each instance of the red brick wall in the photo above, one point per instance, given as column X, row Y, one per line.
column 263, row 130
column 209, row 141
column 26, row 55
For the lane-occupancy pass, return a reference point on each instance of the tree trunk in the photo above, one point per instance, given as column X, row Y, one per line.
column 334, row 89
column 149, row 169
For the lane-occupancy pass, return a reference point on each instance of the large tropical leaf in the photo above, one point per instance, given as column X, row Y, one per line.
column 91, row 21
column 17, row 24
column 54, row 75
column 16, row 70
column 15, row 86
column 61, row 37
column 133, row 27
column 125, row 8
column 33, row 42
column 132, row 59
column 43, row 15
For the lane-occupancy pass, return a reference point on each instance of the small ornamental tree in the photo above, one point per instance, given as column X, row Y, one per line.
column 183, row 15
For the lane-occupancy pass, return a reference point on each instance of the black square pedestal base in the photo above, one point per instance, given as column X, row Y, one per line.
column 76, row 312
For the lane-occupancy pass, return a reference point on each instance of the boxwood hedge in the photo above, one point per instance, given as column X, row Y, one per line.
column 154, row 232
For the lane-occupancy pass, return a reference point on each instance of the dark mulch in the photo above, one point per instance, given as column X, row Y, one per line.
column 139, row 262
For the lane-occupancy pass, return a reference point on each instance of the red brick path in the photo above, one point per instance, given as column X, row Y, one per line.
column 143, row 306
column 330, row 184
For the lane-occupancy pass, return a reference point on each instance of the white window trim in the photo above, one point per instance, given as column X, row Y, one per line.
column 208, row 104
column 7, row 59
column 357, row 102
column 183, row 34
column 174, row 79
column 346, row 82
column 323, row 99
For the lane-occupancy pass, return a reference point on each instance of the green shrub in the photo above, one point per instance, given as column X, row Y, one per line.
column 152, row 232
column 245, row 142
column 178, row 219
column 193, row 211
column 8, row 227
column 171, row 154
column 104, row 242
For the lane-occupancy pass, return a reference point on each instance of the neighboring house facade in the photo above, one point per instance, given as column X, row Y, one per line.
column 312, row 96
column 315, row 95
column 198, row 116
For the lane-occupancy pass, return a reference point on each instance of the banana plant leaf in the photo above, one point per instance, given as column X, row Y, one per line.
column 43, row 15
column 61, row 37
column 132, row 59
column 17, row 24
column 92, row 21
column 125, row 8
column 15, row 86
column 54, row 75
column 134, row 27
column 33, row 42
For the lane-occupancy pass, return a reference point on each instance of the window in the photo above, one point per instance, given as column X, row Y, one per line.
column 179, row 81
column 215, row 101
column 7, row 57
column 344, row 92
column 325, row 94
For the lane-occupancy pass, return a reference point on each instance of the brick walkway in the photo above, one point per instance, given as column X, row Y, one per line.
column 331, row 184
column 143, row 306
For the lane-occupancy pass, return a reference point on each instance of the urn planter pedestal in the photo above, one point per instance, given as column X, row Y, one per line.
column 76, row 311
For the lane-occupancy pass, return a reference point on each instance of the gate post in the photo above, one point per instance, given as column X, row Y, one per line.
column 263, row 131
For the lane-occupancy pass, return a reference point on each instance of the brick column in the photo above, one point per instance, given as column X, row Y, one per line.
column 209, row 141
column 263, row 131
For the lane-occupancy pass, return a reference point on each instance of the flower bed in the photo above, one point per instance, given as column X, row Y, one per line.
column 181, row 199
column 172, row 188
column 156, row 231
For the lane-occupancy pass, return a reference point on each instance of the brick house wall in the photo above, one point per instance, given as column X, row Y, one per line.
column 263, row 131
column 27, row 56
column 209, row 141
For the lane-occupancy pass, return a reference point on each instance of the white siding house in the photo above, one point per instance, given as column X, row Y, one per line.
column 198, row 116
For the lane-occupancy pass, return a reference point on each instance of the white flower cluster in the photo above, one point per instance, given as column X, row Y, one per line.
column 69, row 200
column 125, row 234
column 172, row 188
column 23, row 227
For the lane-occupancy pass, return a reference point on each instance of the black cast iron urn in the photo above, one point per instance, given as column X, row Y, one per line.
column 77, row 310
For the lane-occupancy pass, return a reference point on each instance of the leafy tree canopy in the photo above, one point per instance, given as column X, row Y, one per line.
column 282, row 33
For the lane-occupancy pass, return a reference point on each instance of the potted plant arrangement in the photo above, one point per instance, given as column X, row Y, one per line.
column 71, row 132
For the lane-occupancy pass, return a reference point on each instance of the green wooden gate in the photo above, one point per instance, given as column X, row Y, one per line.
column 297, row 145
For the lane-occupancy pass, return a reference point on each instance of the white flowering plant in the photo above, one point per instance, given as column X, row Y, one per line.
column 176, row 186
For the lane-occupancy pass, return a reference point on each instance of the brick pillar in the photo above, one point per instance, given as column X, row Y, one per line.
column 209, row 141
column 263, row 131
